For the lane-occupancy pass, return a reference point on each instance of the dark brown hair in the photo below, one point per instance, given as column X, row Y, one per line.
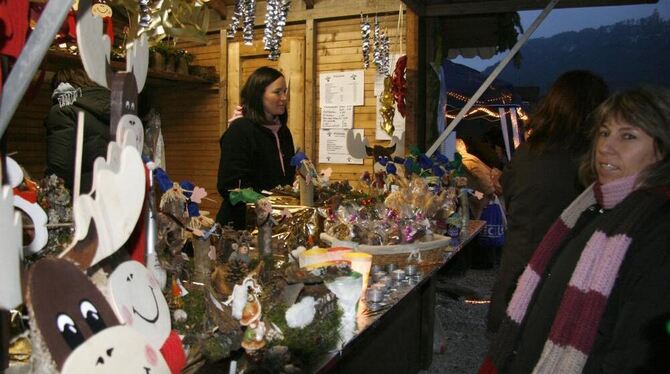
column 561, row 119
column 645, row 107
column 76, row 77
column 252, row 93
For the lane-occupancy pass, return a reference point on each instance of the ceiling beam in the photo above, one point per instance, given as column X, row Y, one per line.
column 503, row 6
column 218, row 6
column 416, row 6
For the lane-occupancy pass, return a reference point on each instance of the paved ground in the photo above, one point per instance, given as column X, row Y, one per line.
column 460, row 321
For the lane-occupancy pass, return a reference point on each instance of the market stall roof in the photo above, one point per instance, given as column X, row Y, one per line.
column 435, row 8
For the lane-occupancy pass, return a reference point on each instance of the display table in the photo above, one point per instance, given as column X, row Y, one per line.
column 397, row 338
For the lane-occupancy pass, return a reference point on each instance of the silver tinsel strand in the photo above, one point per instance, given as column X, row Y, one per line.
column 275, row 21
column 145, row 13
column 377, row 43
column 365, row 38
column 235, row 19
column 270, row 23
column 384, row 65
column 249, row 13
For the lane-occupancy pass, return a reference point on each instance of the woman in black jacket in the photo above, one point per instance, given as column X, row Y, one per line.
column 256, row 149
column 542, row 178
column 74, row 92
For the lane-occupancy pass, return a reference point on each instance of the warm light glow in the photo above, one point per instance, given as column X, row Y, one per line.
column 360, row 263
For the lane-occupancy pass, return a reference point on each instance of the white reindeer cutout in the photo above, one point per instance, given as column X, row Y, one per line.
column 10, row 251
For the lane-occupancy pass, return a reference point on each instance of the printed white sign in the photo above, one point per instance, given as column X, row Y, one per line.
column 337, row 117
column 333, row 147
column 341, row 88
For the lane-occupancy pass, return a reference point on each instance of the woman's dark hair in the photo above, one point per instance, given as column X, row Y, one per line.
column 645, row 107
column 76, row 77
column 252, row 94
column 561, row 121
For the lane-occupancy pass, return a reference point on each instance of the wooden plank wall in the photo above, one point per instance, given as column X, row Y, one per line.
column 26, row 135
column 190, row 124
column 338, row 47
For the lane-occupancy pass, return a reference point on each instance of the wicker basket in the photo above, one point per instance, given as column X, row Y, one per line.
column 422, row 253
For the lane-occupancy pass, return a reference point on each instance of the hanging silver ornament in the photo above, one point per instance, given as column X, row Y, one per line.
column 235, row 19
column 377, row 43
column 275, row 21
column 145, row 13
column 270, row 23
column 365, row 39
column 384, row 58
column 249, row 13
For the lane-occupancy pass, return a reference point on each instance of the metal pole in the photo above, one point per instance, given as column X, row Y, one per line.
column 494, row 74
column 31, row 58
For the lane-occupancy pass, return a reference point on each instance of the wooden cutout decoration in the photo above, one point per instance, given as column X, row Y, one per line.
column 120, row 349
column 119, row 184
column 101, row 9
column 94, row 48
column 78, row 327
column 136, row 297
column 198, row 194
column 33, row 210
column 10, row 251
column 40, row 219
column 14, row 172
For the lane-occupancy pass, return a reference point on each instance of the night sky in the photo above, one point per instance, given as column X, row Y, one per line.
column 575, row 19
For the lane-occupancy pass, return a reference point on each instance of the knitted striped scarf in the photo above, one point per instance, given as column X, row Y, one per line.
column 570, row 339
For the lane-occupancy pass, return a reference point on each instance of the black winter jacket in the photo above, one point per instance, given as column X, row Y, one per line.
column 536, row 189
column 61, row 125
column 250, row 158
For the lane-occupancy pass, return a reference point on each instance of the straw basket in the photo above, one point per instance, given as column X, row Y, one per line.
column 423, row 253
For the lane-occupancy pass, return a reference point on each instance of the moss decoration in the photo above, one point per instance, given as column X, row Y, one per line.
column 308, row 344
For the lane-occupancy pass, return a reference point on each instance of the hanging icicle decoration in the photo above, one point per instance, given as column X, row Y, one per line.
column 365, row 38
column 384, row 58
column 145, row 13
column 377, row 43
column 275, row 21
column 270, row 23
column 249, row 13
column 235, row 19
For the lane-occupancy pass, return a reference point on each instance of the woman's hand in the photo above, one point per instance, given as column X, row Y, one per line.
column 239, row 112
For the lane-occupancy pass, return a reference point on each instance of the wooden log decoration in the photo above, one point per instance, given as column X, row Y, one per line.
column 264, row 221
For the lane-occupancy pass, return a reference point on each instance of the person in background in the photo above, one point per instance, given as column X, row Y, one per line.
column 594, row 296
column 256, row 149
column 542, row 177
column 75, row 92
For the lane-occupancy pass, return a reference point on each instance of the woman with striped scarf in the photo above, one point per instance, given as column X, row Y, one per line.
column 595, row 296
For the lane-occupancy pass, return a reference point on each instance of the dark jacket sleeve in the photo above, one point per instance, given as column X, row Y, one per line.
column 60, row 124
column 632, row 336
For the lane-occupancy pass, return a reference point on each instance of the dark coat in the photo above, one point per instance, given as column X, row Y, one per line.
column 536, row 189
column 61, row 125
column 250, row 158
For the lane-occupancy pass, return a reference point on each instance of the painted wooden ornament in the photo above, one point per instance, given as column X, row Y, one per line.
column 135, row 296
column 104, row 222
column 94, row 49
column 10, row 251
column 39, row 219
column 78, row 328
column 33, row 210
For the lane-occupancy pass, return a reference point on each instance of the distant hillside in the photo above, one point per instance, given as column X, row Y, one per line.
column 625, row 54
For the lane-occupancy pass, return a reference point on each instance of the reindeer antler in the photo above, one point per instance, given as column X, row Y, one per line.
column 137, row 60
column 94, row 46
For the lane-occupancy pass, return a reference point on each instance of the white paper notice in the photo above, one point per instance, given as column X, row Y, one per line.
column 337, row 117
column 333, row 147
column 341, row 88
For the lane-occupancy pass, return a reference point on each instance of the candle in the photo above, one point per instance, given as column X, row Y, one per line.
column 360, row 263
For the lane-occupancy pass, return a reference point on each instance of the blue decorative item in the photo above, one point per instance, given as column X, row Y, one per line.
column 164, row 182
column 298, row 158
